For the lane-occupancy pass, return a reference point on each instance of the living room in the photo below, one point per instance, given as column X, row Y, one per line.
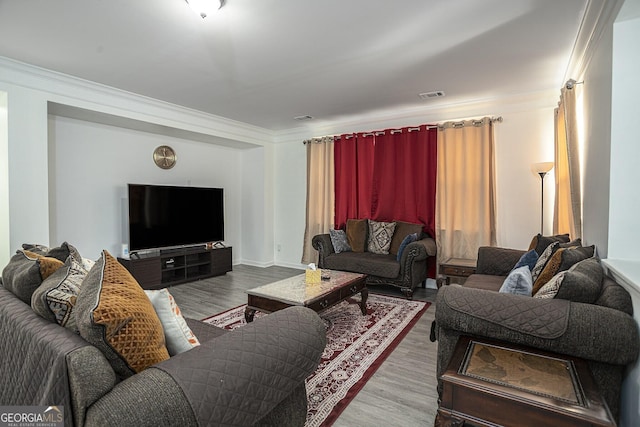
column 69, row 147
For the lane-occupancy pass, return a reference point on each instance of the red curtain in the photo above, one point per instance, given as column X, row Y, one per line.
column 404, row 179
column 353, row 159
column 386, row 176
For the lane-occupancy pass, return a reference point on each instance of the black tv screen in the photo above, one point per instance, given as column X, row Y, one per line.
column 169, row 216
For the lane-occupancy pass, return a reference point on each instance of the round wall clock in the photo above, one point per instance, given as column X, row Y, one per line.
column 164, row 157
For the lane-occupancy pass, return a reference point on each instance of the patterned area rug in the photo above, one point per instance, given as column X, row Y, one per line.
column 356, row 347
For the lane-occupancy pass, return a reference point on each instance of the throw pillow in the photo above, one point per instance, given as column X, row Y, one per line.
column 529, row 259
column 542, row 260
column 550, row 289
column 177, row 334
column 114, row 314
column 409, row 239
column 60, row 253
column 56, row 297
column 403, row 229
column 339, row 241
column 357, row 234
column 562, row 260
column 518, row 282
column 551, row 268
column 380, row 235
column 581, row 283
column 26, row 271
column 539, row 242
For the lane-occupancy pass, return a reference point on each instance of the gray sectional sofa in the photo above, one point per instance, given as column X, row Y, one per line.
column 254, row 375
column 603, row 332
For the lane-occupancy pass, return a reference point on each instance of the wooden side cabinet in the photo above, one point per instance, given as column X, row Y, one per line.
column 456, row 267
column 157, row 270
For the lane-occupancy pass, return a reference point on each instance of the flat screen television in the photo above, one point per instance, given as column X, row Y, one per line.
column 169, row 216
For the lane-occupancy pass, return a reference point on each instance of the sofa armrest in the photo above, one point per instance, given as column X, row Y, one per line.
column 587, row 331
column 241, row 376
column 235, row 379
column 322, row 243
column 497, row 261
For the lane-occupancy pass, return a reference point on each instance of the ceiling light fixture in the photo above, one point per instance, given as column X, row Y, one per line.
column 205, row 8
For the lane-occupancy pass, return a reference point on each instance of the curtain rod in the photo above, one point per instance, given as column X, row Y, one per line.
column 456, row 123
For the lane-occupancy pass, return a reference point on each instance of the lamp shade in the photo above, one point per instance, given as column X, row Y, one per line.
column 204, row 7
column 543, row 167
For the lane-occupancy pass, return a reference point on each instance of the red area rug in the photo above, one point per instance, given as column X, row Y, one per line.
column 356, row 347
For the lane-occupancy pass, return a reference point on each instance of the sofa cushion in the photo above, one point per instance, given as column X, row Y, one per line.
column 366, row 263
column 357, row 234
column 518, row 282
column 402, row 230
column 339, row 241
column 178, row 336
column 114, row 314
column 539, row 242
column 26, row 271
column 380, row 235
column 581, row 283
column 56, row 297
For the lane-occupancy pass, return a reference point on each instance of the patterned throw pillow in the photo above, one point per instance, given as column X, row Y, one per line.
column 543, row 259
column 26, row 271
column 380, row 235
column 518, row 282
column 114, row 314
column 339, row 241
column 581, row 283
column 178, row 336
column 561, row 260
column 56, row 297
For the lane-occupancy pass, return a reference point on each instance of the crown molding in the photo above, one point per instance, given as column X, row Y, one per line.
column 598, row 17
column 497, row 106
column 87, row 96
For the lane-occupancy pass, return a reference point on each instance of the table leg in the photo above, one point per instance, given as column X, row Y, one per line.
column 364, row 294
column 248, row 314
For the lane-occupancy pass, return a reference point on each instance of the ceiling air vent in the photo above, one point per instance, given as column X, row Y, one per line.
column 429, row 95
column 303, row 118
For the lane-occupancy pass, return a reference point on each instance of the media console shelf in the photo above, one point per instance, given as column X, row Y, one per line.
column 170, row 267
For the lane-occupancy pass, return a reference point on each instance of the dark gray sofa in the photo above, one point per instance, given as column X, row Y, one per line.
column 380, row 269
column 604, row 333
column 254, row 375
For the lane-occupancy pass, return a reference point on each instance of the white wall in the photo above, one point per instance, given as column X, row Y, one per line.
column 524, row 137
column 625, row 175
column 90, row 165
column 596, row 95
column 5, row 246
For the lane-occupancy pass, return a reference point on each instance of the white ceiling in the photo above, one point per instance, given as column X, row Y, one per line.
column 264, row 62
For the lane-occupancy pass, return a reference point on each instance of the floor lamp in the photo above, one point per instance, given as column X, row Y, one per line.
column 542, row 169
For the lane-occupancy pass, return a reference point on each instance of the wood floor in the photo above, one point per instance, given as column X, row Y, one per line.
column 402, row 392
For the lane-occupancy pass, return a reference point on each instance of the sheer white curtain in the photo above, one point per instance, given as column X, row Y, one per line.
column 320, row 193
column 567, row 214
column 465, row 195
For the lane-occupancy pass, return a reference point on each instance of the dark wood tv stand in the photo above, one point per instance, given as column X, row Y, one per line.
column 159, row 269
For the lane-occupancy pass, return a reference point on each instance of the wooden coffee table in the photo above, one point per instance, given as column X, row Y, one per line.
column 318, row 296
